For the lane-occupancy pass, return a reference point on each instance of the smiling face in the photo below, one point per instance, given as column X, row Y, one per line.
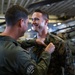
column 38, row 22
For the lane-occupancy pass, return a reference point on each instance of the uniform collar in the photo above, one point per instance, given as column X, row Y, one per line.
column 37, row 35
column 7, row 38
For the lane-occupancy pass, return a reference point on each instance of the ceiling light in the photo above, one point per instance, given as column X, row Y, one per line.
column 54, row 25
column 58, row 23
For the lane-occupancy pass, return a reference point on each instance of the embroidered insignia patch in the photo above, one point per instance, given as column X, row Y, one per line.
column 30, row 69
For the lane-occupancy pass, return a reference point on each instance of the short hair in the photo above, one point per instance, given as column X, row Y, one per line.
column 14, row 14
column 45, row 15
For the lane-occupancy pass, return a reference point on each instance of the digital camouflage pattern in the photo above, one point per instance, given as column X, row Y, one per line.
column 70, row 43
column 58, row 57
column 58, row 64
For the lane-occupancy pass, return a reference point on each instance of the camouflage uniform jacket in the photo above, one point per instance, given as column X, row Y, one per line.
column 70, row 44
column 58, row 57
column 15, row 60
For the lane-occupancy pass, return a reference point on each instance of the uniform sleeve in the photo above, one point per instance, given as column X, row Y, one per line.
column 69, row 67
column 64, row 59
column 29, row 66
column 62, row 53
column 28, row 43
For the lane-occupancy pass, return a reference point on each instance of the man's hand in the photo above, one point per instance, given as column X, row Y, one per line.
column 41, row 42
column 50, row 48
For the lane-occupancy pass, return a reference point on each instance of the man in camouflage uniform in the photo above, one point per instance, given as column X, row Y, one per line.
column 15, row 60
column 58, row 58
column 70, row 48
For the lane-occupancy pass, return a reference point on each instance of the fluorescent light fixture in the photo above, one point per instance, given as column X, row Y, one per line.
column 58, row 23
column 54, row 25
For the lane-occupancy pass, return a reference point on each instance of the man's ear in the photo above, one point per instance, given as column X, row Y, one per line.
column 20, row 23
column 46, row 21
